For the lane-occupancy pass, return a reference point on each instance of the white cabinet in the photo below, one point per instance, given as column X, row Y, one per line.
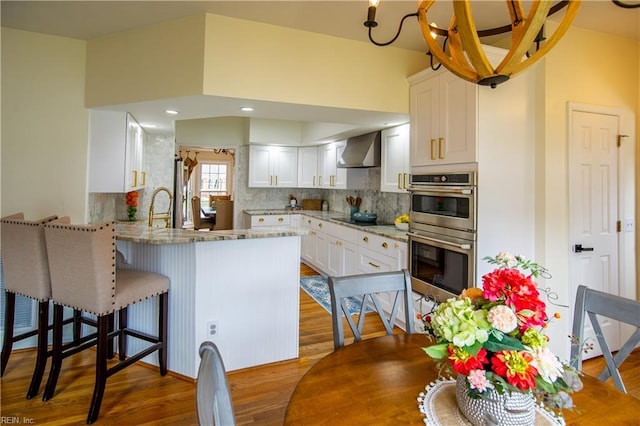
column 338, row 250
column 328, row 162
column 394, row 175
column 443, row 111
column 270, row 221
column 308, row 167
column 116, row 152
column 273, row 166
column 380, row 254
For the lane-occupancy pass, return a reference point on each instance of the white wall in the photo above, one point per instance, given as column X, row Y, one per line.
column 44, row 125
column 588, row 68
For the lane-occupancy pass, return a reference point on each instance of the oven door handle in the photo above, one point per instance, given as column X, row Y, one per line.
column 436, row 240
column 463, row 191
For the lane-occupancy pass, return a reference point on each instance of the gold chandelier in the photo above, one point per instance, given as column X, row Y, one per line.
column 464, row 55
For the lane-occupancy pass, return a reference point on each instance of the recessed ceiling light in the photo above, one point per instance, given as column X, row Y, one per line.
column 171, row 111
column 246, row 109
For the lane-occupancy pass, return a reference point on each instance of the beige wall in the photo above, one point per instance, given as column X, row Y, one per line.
column 587, row 68
column 155, row 62
column 258, row 61
column 44, row 125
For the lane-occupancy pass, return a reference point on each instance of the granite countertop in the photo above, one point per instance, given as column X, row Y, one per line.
column 389, row 231
column 142, row 233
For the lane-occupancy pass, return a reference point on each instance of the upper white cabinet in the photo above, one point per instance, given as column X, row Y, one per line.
column 308, row 167
column 394, row 175
column 443, row 110
column 273, row 166
column 116, row 152
column 328, row 163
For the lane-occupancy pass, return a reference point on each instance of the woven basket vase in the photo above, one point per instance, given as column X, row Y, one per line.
column 515, row 409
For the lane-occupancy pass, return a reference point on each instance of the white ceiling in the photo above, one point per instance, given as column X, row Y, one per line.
column 341, row 18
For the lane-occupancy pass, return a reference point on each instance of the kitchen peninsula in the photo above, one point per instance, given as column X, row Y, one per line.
column 238, row 288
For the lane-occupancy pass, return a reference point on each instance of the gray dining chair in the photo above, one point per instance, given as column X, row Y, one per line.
column 591, row 303
column 213, row 398
column 366, row 287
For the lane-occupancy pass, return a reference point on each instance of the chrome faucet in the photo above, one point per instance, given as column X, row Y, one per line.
column 166, row 216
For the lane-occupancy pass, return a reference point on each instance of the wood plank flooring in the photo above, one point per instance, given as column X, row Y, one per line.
column 139, row 396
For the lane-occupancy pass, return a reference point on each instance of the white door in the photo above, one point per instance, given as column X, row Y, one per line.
column 593, row 200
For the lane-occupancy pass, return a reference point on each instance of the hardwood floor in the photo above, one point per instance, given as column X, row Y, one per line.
column 138, row 395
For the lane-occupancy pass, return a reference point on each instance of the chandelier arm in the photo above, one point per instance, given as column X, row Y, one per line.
column 572, row 11
column 397, row 33
column 470, row 40
column 461, row 71
column 524, row 38
column 625, row 5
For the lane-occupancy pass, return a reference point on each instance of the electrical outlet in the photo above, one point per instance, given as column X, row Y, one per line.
column 212, row 328
column 628, row 225
column 263, row 196
column 248, row 196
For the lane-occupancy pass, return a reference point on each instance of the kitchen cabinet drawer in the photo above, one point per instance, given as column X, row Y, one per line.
column 343, row 233
column 379, row 244
column 279, row 220
column 370, row 262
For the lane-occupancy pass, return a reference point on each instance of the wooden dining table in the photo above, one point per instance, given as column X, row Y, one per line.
column 377, row 382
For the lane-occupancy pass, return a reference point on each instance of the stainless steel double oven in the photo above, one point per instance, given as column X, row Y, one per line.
column 442, row 233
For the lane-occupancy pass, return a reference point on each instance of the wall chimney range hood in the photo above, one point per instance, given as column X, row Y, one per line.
column 361, row 151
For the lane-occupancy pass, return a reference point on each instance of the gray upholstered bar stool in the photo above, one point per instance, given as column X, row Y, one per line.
column 82, row 263
column 26, row 273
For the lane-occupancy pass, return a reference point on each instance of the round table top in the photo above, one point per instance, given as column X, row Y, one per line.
column 377, row 381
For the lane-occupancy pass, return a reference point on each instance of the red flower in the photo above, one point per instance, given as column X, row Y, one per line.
column 516, row 368
column 463, row 362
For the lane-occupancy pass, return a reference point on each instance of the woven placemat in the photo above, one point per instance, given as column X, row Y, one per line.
column 439, row 407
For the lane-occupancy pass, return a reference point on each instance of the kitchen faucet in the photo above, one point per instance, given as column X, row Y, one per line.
column 166, row 216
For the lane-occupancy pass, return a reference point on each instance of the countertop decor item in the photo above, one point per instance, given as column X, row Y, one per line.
column 402, row 222
column 132, row 204
column 493, row 339
column 365, row 216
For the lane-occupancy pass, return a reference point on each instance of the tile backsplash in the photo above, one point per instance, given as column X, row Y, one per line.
column 159, row 155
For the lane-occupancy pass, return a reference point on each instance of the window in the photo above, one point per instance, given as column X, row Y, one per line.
column 213, row 180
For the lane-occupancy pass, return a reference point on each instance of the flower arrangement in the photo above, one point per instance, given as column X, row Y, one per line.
column 494, row 337
column 402, row 219
column 132, row 204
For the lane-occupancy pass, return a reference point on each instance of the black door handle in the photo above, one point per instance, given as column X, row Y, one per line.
column 577, row 248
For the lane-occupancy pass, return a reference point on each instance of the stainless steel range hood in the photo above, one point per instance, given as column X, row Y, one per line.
column 361, row 151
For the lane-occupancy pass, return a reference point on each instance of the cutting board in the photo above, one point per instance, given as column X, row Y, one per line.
column 311, row 204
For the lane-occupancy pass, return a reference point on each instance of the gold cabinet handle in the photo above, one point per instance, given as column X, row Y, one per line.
column 365, row 239
column 144, row 178
column 433, row 149
column 280, row 219
column 404, row 181
column 261, row 219
column 314, row 181
column 399, row 177
column 135, row 179
column 309, row 221
column 385, row 245
column 374, row 265
column 319, row 225
column 441, row 148
column 276, row 180
column 319, row 180
column 270, row 180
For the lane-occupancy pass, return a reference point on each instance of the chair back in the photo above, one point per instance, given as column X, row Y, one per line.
column 196, row 211
column 592, row 302
column 82, row 263
column 365, row 288
column 224, row 215
column 213, row 398
column 24, row 257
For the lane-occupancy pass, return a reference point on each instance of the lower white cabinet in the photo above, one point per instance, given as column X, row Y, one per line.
column 337, row 250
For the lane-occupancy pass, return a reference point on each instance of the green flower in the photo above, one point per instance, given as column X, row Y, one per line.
column 458, row 322
column 534, row 338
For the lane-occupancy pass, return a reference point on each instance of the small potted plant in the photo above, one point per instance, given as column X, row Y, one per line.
column 132, row 205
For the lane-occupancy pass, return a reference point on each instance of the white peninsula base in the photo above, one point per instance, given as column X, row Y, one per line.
column 247, row 290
